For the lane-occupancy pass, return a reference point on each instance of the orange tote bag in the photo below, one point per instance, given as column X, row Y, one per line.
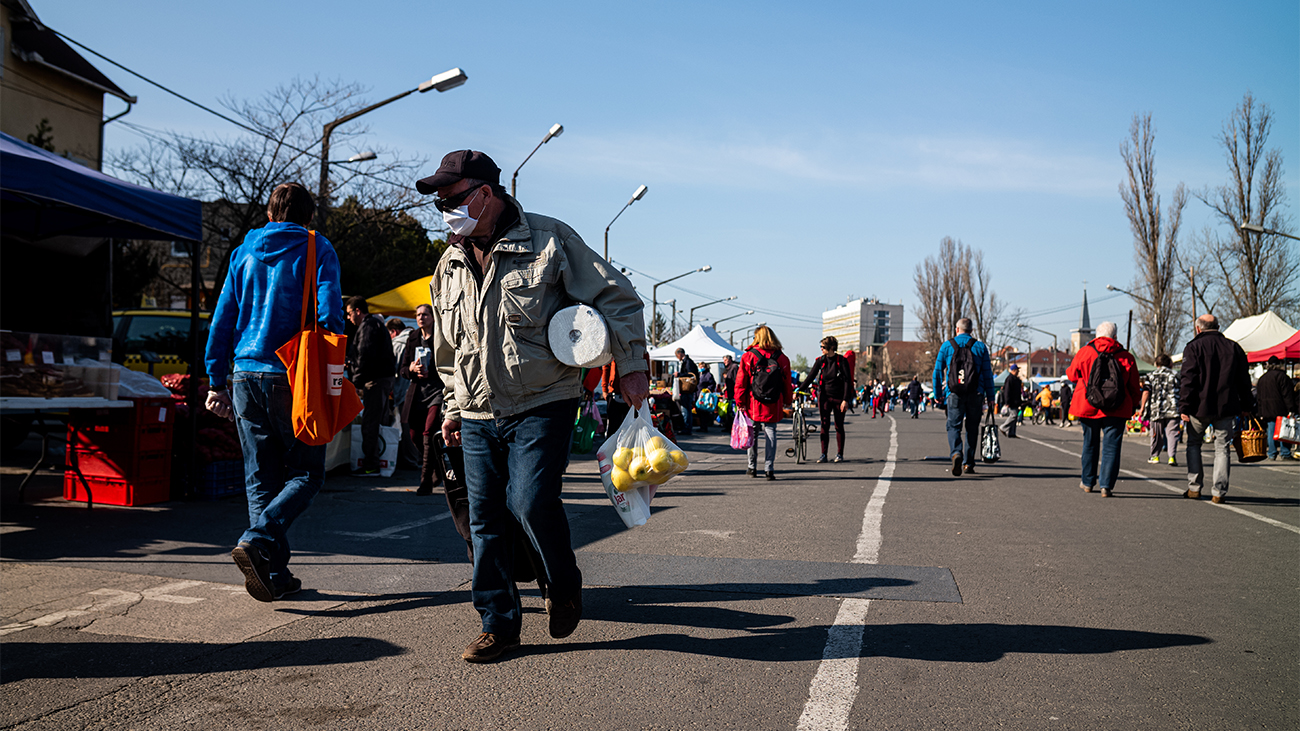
column 324, row 400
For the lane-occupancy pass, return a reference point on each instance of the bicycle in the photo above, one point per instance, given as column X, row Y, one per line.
column 801, row 428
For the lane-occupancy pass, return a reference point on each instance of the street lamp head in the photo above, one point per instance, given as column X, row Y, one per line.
column 444, row 81
column 705, row 268
column 732, row 297
column 638, row 195
column 1255, row 228
column 362, row 156
column 556, row 131
column 749, row 312
column 1110, row 287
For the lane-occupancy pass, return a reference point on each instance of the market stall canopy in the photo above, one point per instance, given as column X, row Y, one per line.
column 403, row 300
column 54, row 203
column 1288, row 349
column 1258, row 332
column 703, row 344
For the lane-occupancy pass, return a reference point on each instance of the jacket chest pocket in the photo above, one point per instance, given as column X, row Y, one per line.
column 452, row 317
column 524, row 293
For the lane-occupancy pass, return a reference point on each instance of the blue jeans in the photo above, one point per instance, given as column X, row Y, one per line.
column 965, row 408
column 514, row 466
column 1102, row 437
column 281, row 474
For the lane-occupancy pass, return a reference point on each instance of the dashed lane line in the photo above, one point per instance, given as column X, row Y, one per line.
column 1171, row 488
column 115, row 597
column 393, row 532
column 835, row 685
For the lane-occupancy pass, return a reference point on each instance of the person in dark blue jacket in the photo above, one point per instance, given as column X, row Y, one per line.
column 260, row 309
column 978, row 390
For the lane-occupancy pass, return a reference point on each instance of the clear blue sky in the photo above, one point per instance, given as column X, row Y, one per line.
column 808, row 153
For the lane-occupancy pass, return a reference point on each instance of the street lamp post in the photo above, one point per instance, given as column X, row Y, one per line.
column 654, row 291
column 1255, row 228
column 731, row 317
column 556, row 131
column 672, row 321
column 1029, row 356
column 638, row 195
column 731, row 334
column 1055, row 372
column 690, row 325
column 442, row 82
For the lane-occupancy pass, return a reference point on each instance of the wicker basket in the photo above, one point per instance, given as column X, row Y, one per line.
column 1250, row 442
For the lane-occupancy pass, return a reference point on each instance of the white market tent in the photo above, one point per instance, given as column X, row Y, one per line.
column 1257, row 332
column 703, row 344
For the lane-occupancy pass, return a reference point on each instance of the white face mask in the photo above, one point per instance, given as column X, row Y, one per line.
column 459, row 220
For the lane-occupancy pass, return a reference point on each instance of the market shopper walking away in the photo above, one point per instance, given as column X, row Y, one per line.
column 260, row 309
column 963, row 384
column 1276, row 397
column 688, row 379
column 1011, row 391
column 1044, row 398
column 914, row 395
column 373, row 367
column 1067, row 393
column 1108, row 393
column 509, row 402
column 834, row 392
column 764, row 387
column 1213, row 390
column 1160, row 408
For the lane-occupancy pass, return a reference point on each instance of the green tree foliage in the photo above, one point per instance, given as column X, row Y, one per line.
column 43, row 137
column 799, row 364
column 380, row 249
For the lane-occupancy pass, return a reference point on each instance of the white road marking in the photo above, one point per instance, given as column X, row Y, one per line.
column 115, row 597
column 835, row 686
column 392, row 533
column 1180, row 490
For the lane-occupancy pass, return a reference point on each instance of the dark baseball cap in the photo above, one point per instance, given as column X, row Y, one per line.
column 459, row 165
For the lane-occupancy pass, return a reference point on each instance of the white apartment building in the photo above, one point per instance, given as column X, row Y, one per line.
column 863, row 323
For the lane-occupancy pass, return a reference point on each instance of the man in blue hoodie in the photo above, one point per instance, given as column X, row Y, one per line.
column 963, row 383
column 260, row 309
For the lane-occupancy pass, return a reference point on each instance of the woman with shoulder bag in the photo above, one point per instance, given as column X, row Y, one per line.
column 763, row 389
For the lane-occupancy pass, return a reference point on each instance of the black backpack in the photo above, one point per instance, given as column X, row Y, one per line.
column 835, row 372
column 767, row 386
column 1105, row 381
column 963, row 373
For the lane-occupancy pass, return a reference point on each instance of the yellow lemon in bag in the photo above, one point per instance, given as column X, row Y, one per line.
column 621, row 479
column 655, row 443
column 622, row 458
column 679, row 458
column 655, row 479
column 660, row 462
column 639, row 469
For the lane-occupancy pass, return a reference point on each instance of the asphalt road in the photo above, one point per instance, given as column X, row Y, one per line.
column 880, row 593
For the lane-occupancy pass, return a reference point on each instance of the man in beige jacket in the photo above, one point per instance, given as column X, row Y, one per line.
column 509, row 401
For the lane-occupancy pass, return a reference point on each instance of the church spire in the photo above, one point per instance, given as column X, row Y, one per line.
column 1084, row 322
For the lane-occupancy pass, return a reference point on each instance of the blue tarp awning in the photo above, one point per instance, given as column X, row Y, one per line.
column 46, row 197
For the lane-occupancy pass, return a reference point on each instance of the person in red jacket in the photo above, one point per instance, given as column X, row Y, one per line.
column 1103, row 427
column 760, row 398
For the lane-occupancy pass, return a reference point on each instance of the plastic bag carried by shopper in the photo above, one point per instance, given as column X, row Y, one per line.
column 741, row 430
column 634, row 462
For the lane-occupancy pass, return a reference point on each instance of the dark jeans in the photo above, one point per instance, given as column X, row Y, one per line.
column 374, row 401
column 281, row 474
column 967, row 409
column 687, row 402
column 1101, row 437
column 514, row 470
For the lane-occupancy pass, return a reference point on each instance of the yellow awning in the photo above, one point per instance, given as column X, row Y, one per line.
column 403, row 300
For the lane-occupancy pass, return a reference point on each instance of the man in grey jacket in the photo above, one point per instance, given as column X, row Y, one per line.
column 508, row 400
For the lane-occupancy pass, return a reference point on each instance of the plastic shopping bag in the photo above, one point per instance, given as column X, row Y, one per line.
column 389, row 438
column 634, row 462
column 741, row 430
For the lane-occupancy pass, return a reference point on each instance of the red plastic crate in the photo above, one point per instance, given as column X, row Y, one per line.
column 112, row 491
column 141, row 466
column 146, row 428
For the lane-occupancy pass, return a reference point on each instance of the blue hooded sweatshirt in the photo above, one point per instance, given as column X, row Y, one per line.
column 260, row 307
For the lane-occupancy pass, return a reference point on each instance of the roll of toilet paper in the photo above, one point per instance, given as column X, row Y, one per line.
column 579, row 337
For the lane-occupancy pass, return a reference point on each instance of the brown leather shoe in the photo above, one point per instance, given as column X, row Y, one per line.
column 1085, row 488
column 1193, row 494
column 969, row 469
column 956, row 465
column 1105, row 492
column 1219, row 499
column 564, row 616
column 488, row 647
